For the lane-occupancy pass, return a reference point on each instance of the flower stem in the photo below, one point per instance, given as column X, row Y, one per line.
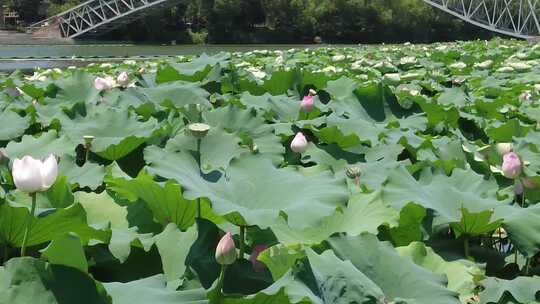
column 28, row 225
column 242, row 238
column 221, row 278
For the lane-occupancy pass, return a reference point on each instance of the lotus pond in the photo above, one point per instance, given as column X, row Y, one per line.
column 373, row 174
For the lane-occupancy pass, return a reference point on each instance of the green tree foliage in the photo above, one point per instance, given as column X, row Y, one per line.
column 286, row 21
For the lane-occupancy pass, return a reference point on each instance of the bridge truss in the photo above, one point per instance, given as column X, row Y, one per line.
column 96, row 17
column 516, row 18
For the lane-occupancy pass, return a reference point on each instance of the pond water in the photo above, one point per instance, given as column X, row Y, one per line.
column 28, row 57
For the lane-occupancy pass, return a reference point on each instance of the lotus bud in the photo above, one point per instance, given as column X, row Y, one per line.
column 33, row 175
column 123, row 79
column 307, row 103
column 511, row 166
column 299, row 144
column 102, row 84
column 199, row 130
column 226, row 251
column 504, row 148
column 257, row 265
column 312, row 92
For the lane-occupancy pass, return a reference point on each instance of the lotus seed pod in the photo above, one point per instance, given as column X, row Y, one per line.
column 353, row 172
column 199, row 130
column 225, row 250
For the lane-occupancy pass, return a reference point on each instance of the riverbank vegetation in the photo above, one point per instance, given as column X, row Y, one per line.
column 283, row 21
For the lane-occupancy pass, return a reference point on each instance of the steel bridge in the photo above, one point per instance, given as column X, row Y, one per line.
column 96, row 17
column 516, row 18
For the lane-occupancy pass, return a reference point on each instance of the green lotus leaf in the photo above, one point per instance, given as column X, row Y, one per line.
column 173, row 246
column 152, row 290
column 79, row 87
column 66, row 250
column 382, row 264
column 442, row 194
column 259, row 199
column 166, row 202
column 13, row 125
column 462, row 275
column 522, row 289
column 29, row 280
column 41, row 146
column 116, row 133
column 46, row 228
column 364, row 213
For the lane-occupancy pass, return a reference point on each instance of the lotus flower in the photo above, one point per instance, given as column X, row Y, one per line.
column 511, row 166
column 307, row 104
column 504, row 148
column 299, row 144
column 123, row 79
column 226, row 251
column 257, row 265
column 33, row 175
column 102, row 84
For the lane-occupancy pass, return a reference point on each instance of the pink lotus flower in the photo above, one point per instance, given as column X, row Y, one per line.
column 257, row 265
column 299, row 144
column 33, row 175
column 102, row 84
column 123, row 79
column 511, row 166
column 307, row 104
column 226, row 251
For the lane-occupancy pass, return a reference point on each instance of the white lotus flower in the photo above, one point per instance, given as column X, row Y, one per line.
column 123, row 79
column 484, row 65
column 33, row 175
column 458, row 65
column 102, row 84
column 520, row 66
column 339, row 57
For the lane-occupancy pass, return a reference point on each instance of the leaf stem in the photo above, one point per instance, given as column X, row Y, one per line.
column 242, row 245
column 6, row 254
column 28, row 225
column 527, row 266
column 466, row 246
column 200, row 173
